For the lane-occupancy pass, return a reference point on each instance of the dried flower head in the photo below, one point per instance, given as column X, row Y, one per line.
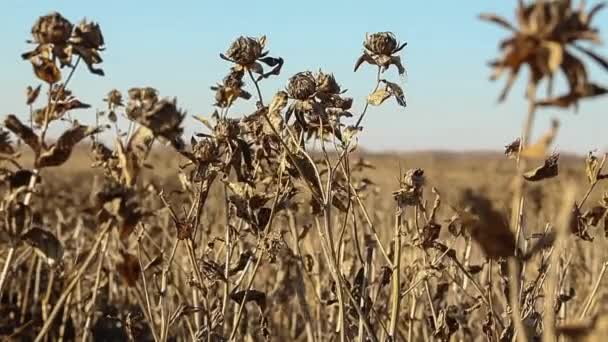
column 302, row 86
column 230, row 89
column 114, row 99
column 380, row 50
column 327, row 84
column 162, row 117
column 248, row 52
column 206, row 151
column 52, row 28
column 410, row 193
column 87, row 41
column 545, row 32
column 58, row 39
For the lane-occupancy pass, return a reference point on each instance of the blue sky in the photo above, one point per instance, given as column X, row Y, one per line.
column 174, row 46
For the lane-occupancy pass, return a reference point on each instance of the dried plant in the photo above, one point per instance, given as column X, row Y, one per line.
column 269, row 223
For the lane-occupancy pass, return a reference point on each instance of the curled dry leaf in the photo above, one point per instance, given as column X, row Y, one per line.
column 592, row 165
column 129, row 268
column 60, row 152
column 13, row 124
column 590, row 330
column 391, row 89
column 378, row 97
column 46, row 70
column 256, row 296
column 548, row 170
column 512, row 150
column 45, row 244
column 32, row 94
column 487, row 226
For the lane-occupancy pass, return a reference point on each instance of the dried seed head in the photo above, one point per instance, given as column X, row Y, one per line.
column 226, row 129
column 302, row 86
column 88, row 35
column 326, row 83
column 245, row 50
column 114, row 98
column 165, row 119
column 381, row 43
column 230, row 89
column 541, row 39
column 52, row 29
column 414, row 178
column 410, row 193
column 206, row 151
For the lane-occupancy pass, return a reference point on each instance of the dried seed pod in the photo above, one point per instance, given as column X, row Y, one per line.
column 52, row 28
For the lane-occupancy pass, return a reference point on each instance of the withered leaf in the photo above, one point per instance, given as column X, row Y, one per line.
column 378, row 97
column 305, row 168
column 13, row 124
column 129, row 268
column 60, row 152
column 590, row 330
column 548, row 170
column 45, row 244
column 21, row 178
column 46, row 70
column 251, row 295
column 32, row 94
column 591, row 167
column 397, row 92
column 487, row 226
column 512, row 149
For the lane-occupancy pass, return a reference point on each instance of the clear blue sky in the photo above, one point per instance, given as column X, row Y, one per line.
column 174, row 46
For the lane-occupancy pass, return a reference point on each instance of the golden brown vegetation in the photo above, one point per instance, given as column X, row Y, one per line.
column 245, row 233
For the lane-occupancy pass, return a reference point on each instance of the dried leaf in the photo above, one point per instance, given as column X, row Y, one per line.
column 590, row 330
column 591, row 168
column 32, row 94
column 512, row 150
column 13, row 124
column 60, row 152
column 129, row 268
column 397, row 92
column 548, row 170
column 252, row 295
column 45, row 244
column 46, row 70
column 378, row 97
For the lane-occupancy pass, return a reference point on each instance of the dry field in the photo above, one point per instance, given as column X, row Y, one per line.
column 272, row 225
